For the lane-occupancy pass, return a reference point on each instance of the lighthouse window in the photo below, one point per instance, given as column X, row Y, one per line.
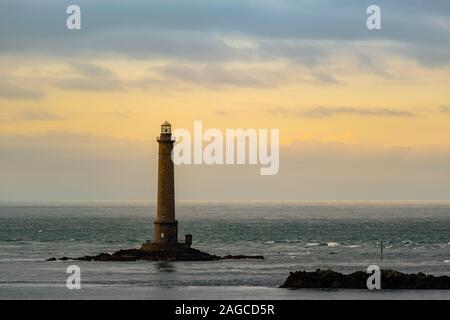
column 162, row 235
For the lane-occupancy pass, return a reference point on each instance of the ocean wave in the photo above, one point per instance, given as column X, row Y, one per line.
column 332, row 244
column 299, row 253
column 313, row 244
column 19, row 260
column 292, row 240
column 229, row 270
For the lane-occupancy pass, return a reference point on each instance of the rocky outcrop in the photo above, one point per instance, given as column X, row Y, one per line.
column 240, row 256
column 187, row 254
column 184, row 254
column 390, row 279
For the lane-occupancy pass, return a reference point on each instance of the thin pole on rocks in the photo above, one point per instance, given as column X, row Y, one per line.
column 381, row 251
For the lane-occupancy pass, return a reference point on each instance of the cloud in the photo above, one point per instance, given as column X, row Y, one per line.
column 90, row 77
column 12, row 91
column 324, row 112
column 328, row 112
column 213, row 75
column 120, row 114
column 444, row 109
column 30, row 115
column 325, row 78
column 201, row 29
column 222, row 76
column 428, row 56
column 222, row 113
column 59, row 166
column 36, row 116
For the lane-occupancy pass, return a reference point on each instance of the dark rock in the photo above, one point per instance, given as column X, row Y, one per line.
column 185, row 254
column 390, row 279
column 240, row 256
column 51, row 259
column 175, row 254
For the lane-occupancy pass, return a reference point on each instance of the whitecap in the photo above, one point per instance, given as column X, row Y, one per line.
column 299, row 253
column 446, row 261
column 354, row 246
column 269, row 242
column 19, row 260
column 333, row 244
column 312, row 244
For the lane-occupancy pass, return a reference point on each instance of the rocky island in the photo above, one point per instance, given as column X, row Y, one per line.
column 390, row 279
column 182, row 254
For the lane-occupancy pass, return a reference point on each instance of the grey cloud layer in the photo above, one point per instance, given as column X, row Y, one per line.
column 215, row 76
column 90, row 77
column 194, row 29
column 10, row 90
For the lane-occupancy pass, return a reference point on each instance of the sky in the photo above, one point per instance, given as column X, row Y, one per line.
column 363, row 114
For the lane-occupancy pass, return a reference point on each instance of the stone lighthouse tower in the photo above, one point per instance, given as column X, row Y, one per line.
column 165, row 226
column 165, row 230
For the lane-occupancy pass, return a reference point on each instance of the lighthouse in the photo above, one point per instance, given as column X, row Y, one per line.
column 165, row 226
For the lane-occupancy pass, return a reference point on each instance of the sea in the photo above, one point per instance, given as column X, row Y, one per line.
column 343, row 236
